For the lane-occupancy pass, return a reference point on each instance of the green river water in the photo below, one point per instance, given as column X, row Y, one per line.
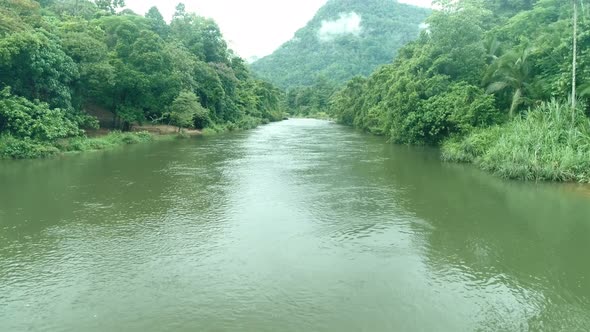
column 301, row 225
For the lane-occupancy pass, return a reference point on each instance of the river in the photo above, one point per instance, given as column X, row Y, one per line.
column 301, row 225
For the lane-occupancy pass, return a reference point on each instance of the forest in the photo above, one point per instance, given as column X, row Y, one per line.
column 502, row 84
column 344, row 39
column 61, row 60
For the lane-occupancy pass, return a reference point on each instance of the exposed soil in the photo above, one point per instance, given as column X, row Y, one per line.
column 164, row 130
column 153, row 129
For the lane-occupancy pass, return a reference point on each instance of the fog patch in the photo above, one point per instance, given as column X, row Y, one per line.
column 347, row 24
column 425, row 27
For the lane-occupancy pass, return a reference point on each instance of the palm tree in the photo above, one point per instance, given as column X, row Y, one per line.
column 512, row 72
column 492, row 46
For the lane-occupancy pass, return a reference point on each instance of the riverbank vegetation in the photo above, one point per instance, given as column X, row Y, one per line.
column 490, row 82
column 27, row 148
column 68, row 66
column 543, row 145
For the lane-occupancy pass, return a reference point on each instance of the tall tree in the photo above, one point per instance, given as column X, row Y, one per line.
column 157, row 22
column 110, row 6
column 184, row 110
column 513, row 72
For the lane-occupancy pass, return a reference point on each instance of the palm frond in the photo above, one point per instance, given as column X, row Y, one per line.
column 585, row 90
column 497, row 86
column 516, row 100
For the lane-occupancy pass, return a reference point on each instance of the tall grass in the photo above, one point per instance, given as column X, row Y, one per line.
column 542, row 145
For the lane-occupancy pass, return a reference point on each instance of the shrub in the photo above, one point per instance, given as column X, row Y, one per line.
column 21, row 118
column 209, row 131
column 249, row 122
column 14, row 148
column 455, row 112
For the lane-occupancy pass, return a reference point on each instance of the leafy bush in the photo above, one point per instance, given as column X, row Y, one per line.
column 209, row 131
column 249, row 122
column 22, row 118
column 455, row 112
column 14, row 148
column 230, row 126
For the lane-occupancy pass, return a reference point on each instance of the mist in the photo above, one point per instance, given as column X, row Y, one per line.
column 347, row 24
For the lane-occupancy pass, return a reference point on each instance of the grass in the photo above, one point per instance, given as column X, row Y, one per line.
column 13, row 148
column 472, row 147
column 114, row 139
column 18, row 148
column 542, row 145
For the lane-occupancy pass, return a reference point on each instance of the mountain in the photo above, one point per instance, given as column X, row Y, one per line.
column 346, row 38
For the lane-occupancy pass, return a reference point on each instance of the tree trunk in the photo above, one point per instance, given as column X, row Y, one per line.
column 574, row 63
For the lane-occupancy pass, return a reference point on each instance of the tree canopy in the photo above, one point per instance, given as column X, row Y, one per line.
column 479, row 63
column 65, row 57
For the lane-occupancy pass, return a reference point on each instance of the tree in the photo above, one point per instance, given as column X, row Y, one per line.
column 34, row 64
column 86, row 46
column 59, row 58
column 574, row 57
column 186, row 110
column 180, row 10
column 82, row 8
column 157, row 23
column 513, row 72
column 110, row 5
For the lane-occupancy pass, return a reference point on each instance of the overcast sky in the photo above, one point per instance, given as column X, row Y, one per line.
column 252, row 27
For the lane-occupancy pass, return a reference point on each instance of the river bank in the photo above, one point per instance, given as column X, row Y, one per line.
column 92, row 140
column 105, row 139
column 13, row 148
column 545, row 144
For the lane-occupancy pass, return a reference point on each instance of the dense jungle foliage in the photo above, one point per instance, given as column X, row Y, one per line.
column 60, row 58
column 333, row 47
column 500, row 64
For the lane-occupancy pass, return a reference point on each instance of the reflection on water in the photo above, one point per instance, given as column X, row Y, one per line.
column 298, row 225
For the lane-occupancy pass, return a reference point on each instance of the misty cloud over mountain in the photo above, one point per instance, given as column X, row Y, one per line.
column 347, row 24
column 344, row 39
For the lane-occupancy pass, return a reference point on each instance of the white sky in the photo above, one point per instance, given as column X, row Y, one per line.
column 252, row 27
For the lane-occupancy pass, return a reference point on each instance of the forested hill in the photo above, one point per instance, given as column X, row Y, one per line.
column 502, row 84
column 346, row 38
column 59, row 58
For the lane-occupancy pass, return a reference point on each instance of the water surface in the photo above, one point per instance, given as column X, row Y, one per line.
column 301, row 225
